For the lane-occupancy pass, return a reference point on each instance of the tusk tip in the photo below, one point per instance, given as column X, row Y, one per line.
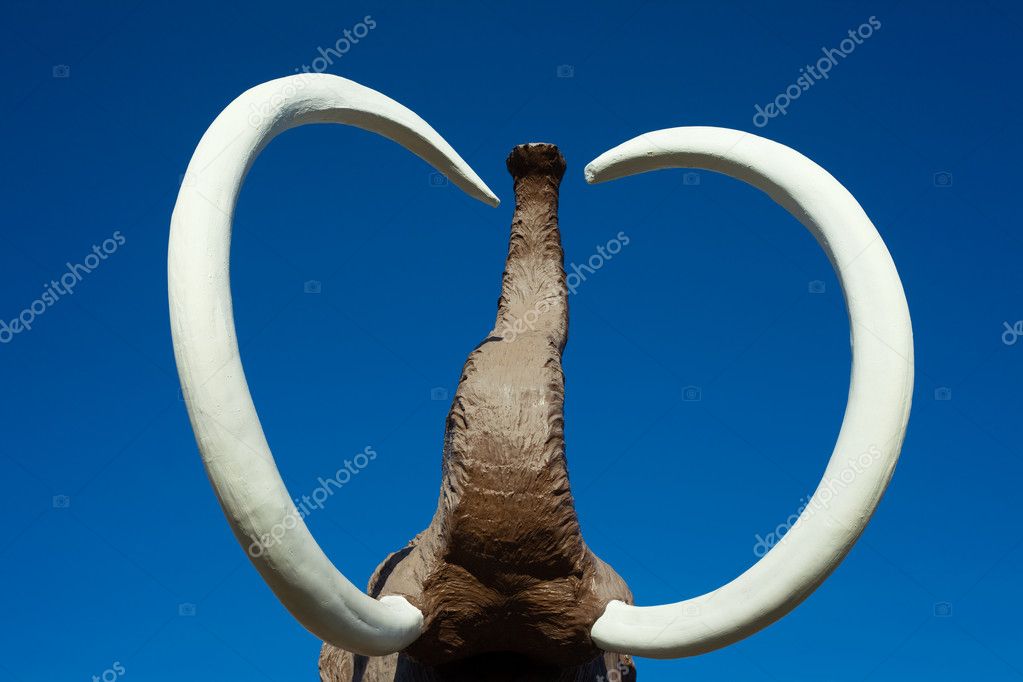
column 477, row 189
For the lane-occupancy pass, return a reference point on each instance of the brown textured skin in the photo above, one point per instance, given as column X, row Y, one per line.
column 508, row 587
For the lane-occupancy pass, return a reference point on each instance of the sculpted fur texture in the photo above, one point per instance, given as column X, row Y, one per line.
column 507, row 586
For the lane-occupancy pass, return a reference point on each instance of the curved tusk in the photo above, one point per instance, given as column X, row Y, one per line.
column 237, row 458
column 875, row 420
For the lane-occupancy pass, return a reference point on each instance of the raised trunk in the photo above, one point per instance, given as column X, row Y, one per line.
column 505, row 581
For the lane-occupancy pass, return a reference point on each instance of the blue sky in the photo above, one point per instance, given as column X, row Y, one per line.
column 115, row 556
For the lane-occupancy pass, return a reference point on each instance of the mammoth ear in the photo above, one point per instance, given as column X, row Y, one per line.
column 235, row 451
column 874, row 426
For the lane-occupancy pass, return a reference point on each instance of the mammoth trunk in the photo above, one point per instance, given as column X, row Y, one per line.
column 533, row 292
column 507, row 587
column 511, row 538
column 506, row 481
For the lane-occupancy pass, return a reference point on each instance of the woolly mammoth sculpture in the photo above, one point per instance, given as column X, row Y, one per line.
column 501, row 585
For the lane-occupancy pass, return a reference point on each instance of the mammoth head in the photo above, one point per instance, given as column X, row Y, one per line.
column 501, row 585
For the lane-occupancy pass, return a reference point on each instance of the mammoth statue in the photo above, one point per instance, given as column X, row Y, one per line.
column 501, row 585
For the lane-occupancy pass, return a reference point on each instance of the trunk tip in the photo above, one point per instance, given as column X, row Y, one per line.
column 536, row 158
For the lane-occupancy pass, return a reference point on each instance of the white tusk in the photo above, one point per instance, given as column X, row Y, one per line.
column 235, row 451
column 874, row 426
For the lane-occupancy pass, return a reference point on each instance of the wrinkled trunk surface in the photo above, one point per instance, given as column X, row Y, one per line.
column 508, row 587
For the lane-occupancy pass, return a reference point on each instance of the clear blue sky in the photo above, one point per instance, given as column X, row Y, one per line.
column 713, row 290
